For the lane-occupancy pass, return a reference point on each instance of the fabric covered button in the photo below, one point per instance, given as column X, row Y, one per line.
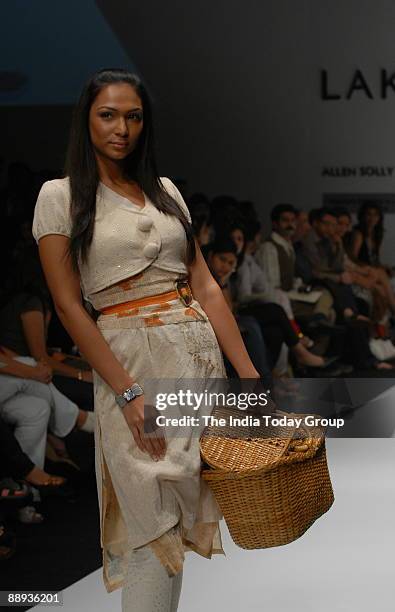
column 150, row 250
column 144, row 223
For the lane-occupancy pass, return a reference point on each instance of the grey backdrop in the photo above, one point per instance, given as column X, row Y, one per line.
column 237, row 93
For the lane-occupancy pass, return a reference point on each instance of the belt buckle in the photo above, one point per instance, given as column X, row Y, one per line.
column 184, row 292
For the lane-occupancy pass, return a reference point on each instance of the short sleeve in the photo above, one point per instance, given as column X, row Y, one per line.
column 174, row 192
column 52, row 211
column 27, row 303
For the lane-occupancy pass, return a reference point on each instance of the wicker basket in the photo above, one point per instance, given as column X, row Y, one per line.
column 270, row 485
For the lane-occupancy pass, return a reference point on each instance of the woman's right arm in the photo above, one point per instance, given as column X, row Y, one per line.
column 64, row 284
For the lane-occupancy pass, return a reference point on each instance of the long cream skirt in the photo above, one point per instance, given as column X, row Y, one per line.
column 141, row 499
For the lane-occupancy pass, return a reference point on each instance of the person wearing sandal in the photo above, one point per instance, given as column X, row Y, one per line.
column 17, row 463
column 30, row 402
column 27, row 482
column 25, row 315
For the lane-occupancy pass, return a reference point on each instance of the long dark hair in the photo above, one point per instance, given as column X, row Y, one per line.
column 378, row 230
column 140, row 165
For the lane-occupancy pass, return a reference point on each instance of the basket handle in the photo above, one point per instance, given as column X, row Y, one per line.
column 301, row 427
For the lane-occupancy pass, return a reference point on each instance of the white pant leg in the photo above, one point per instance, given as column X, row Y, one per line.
column 176, row 591
column 64, row 412
column 148, row 587
column 30, row 415
column 10, row 385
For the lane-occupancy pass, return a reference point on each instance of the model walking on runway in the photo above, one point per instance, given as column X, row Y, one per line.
column 123, row 235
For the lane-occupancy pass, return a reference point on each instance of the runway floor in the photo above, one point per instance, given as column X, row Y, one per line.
column 344, row 563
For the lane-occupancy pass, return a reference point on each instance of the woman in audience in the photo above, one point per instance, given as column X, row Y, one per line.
column 25, row 315
column 358, row 327
column 251, row 284
column 274, row 324
column 222, row 261
column 200, row 213
column 368, row 234
column 363, row 249
column 31, row 403
column 15, row 462
column 372, row 284
column 17, row 469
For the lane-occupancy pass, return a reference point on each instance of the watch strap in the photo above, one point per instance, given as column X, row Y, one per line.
column 128, row 395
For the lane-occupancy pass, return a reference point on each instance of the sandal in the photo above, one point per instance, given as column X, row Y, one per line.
column 52, row 481
column 29, row 516
column 53, row 485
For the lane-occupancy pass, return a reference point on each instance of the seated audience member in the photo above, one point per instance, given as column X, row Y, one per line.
column 250, row 283
column 303, row 267
column 328, row 263
column 25, row 314
column 367, row 235
column 273, row 322
column 369, row 283
column 249, row 280
column 326, row 255
column 222, row 261
column 32, row 404
column 365, row 244
column 276, row 256
column 200, row 213
column 16, row 463
column 20, row 477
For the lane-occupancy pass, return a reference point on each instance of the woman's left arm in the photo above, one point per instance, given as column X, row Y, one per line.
column 209, row 295
column 33, row 324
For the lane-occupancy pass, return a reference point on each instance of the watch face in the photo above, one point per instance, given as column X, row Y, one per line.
column 129, row 395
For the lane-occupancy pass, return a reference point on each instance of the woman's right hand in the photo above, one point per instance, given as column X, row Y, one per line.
column 155, row 445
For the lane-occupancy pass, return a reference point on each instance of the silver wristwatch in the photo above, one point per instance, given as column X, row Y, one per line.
column 128, row 395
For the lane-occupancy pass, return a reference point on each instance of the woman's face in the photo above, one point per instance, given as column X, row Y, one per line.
column 238, row 238
column 221, row 264
column 116, row 121
column 372, row 217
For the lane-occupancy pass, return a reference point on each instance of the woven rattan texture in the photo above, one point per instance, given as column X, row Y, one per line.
column 270, row 490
